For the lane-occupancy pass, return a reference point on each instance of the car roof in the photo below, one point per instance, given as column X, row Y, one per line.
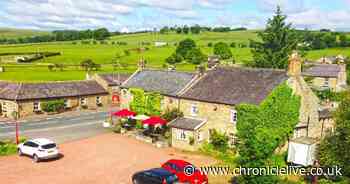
column 179, row 162
column 42, row 141
column 160, row 172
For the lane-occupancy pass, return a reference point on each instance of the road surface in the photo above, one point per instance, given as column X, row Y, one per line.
column 61, row 129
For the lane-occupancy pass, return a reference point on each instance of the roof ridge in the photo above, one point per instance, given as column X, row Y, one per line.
column 250, row 68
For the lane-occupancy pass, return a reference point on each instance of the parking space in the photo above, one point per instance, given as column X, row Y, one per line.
column 105, row 159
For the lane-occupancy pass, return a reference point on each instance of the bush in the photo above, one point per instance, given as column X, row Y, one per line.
column 219, row 141
column 172, row 114
column 53, row 106
column 9, row 147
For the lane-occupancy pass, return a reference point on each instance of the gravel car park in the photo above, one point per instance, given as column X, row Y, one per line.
column 106, row 159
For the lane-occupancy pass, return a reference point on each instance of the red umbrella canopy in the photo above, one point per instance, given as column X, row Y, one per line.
column 124, row 113
column 154, row 120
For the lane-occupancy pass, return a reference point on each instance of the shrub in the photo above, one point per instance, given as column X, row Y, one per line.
column 53, row 106
column 219, row 141
column 172, row 114
column 210, row 44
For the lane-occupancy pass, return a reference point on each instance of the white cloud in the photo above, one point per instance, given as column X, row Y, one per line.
column 288, row 6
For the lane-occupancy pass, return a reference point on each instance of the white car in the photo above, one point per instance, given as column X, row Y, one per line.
column 39, row 149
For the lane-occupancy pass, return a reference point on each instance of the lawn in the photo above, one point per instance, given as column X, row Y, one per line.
column 73, row 54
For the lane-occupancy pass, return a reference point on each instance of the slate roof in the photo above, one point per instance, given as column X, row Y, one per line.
column 114, row 79
column 233, row 85
column 186, row 123
column 164, row 82
column 323, row 70
column 33, row 91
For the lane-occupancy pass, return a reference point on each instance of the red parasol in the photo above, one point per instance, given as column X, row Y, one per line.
column 124, row 113
column 154, row 120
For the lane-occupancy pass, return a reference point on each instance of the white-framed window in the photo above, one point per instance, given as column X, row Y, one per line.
column 233, row 116
column 232, row 140
column 326, row 82
column 36, row 106
column 194, row 109
column 98, row 100
column 66, row 103
column 4, row 107
column 181, row 135
column 200, row 136
column 83, row 101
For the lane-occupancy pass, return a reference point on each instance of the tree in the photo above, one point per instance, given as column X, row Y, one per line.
column 87, row 64
column 185, row 46
column 174, row 58
column 278, row 42
column 195, row 56
column 195, row 29
column 344, row 41
column 222, row 50
column 185, row 29
column 334, row 150
column 101, row 34
column 179, row 30
column 164, row 30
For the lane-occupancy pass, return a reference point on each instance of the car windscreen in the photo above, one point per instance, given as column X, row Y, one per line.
column 49, row 146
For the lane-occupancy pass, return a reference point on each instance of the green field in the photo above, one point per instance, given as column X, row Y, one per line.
column 17, row 33
column 73, row 54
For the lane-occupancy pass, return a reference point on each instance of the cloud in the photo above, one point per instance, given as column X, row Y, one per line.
column 288, row 6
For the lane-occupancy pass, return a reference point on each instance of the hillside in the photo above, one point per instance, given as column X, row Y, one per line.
column 74, row 52
column 16, row 33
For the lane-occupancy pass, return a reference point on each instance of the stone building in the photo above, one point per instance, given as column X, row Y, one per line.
column 112, row 82
column 210, row 102
column 168, row 83
column 25, row 98
column 327, row 76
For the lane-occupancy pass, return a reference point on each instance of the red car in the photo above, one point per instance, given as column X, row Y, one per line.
column 185, row 171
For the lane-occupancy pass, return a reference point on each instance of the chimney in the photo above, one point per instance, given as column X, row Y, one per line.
column 294, row 67
column 200, row 70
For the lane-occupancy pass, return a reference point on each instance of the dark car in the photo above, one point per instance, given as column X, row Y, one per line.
column 154, row 176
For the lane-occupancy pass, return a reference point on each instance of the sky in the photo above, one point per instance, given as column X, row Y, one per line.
column 135, row 15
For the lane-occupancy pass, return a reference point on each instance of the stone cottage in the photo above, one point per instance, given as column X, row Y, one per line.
column 167, row 83
column 26, row 98
column 209, row 103
column 327, row 76
column 112, row 82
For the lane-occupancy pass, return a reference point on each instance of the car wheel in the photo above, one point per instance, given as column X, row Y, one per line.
column 20, row 152
column 35, row 158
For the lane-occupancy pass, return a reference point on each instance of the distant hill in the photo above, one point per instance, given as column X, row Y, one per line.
column 16, row 33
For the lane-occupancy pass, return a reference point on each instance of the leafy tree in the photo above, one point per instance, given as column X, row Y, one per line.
column 174, row 58
column 185, row 29
column 185, row 46
column 344, row 41
column 195, row 56
column 164, row 30
column 278, row 42
column 179, row 30
column 101, row 34
column 87, row 64
column 222, row 50
column 195, row 29
column 334, row 150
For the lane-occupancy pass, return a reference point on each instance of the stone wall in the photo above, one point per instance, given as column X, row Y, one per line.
column 26, row 108
column 185, row 144
column 218, row 116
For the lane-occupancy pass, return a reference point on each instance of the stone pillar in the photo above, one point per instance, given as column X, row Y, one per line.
column 294, row 67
